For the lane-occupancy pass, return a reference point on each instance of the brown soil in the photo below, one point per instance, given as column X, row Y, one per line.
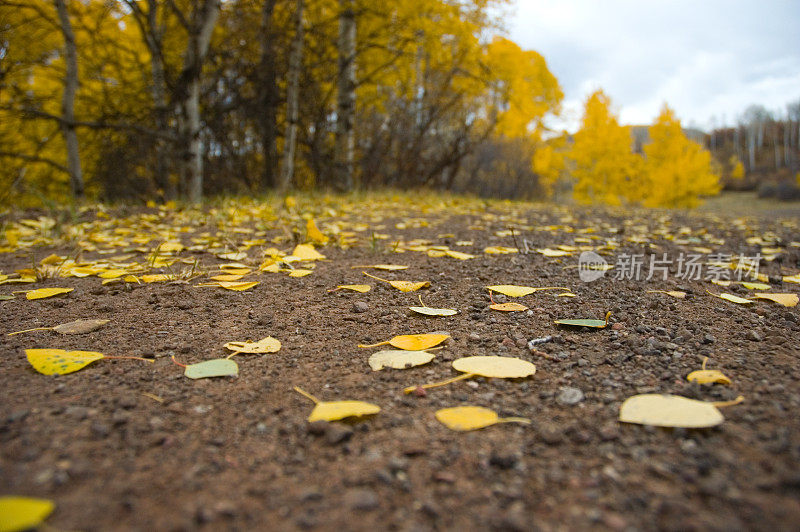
column 225, row 453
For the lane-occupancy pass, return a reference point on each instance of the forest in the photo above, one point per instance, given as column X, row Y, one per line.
column 141, row 100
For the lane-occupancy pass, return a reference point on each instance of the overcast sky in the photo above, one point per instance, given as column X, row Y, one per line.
column 705, row 58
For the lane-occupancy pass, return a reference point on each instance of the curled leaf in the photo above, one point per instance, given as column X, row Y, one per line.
column 787, row 300
column 265, row 345
column 708, row 376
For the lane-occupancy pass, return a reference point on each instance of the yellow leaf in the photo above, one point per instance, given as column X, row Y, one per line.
column 265, row 345
column 795, row 279
column 354, row 287
column 428, row 311
column 495, row 367
column 170, row 247
column 226, row 277
column 387, row 267
column 755, row 286
column 307, row 252
column 733, row 299
column 787, row 300
column 566, row 294
column 51, row 260
column 23, row 513
column 720, row 282
column 673, row 293
column 459, row 255
column 511, row 290
column 113, row 274
column 398, row 359
column 472, row 418
column 414, row 342
column 669, row 411
column 41, row 293
column 499, row 250
column 238, row 286
column 233, row 255
column 708, row 376
column 336, row 410
column 547, row 252
column 59, row 361
column 300, row 272
column 233, row 270
column 314, row 233
column 155, row 278
column 508, row 307
column 270, row 267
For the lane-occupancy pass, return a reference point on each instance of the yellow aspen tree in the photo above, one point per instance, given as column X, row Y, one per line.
column 677, row 171
column 603, row 165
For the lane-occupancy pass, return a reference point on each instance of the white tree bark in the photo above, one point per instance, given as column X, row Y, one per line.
column 202, row 26
column 346, row 98
column 68, row 101
column 293, row 99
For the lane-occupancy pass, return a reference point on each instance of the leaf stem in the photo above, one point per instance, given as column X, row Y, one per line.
column 376, row 278
column 721, row 404
column 306, row 394
column 523, row 420
column 178, row 363
column 374, row 345
column 129, row 358
column 29, row 330
column 461, row 377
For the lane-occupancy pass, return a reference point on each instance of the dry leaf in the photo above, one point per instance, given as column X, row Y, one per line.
column 227, row 277
column 387, row 267
column 732, row 298
column 499, row 250
column 708, row 376
column 669, row 411
column 59, row 361
column 495, row 367
column 508, row 307
column 238, row 286
column 459, row 255
column 300, row 272
column 595, row 324
column 428, row 311
column 336, row 410
column 354, row 287
column 314, row 234
column 409, row 286
column 755, row 286
column 265, row 345
column 306, row 252
column 787, row 300
column 398, row 359
column 673, row 293
column 413, row 342
column 72, row 327
column 472, row 418
column 23, row 513
column 553, row 252
column 511, row 290
column 41, row 293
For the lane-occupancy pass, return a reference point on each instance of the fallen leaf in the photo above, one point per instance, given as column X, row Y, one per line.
column 59, row 361
column 398, row 359
column 484, row 366
column 238, row 286
column 553, row 252
column 354, row 287
column 300, row 272
column 306, row 252
column 233, row 255
column 459, row 255
column 508, row 307
column 495, row 367
column 23, row 513
column 596, row 324
column 41, row 293
column 669, row 411
column 708, row 376
column 732, row 298
column 403, row 286
column 428, row 311
column 511, row 290
column 472, row 418
column 265, row 345
column 218, row 367
column 314, row 233
column 787, row 300
column 336, row 410
column 413, row 342
column 673, row 293
column 227, row 277
column 499, row 250
column 387, row 267
column 755, row 286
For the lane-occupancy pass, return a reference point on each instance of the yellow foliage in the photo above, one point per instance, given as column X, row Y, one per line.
column 677, row 171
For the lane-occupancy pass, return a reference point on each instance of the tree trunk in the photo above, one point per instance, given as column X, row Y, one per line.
column 346, row 98
column 200, row 30
column 269, row 96
column 68, row 101
column 292, row 99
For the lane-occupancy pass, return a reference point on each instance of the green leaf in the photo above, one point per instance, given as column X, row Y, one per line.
column 219, row 367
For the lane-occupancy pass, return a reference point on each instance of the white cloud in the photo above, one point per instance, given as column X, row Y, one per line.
column 705, row 59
